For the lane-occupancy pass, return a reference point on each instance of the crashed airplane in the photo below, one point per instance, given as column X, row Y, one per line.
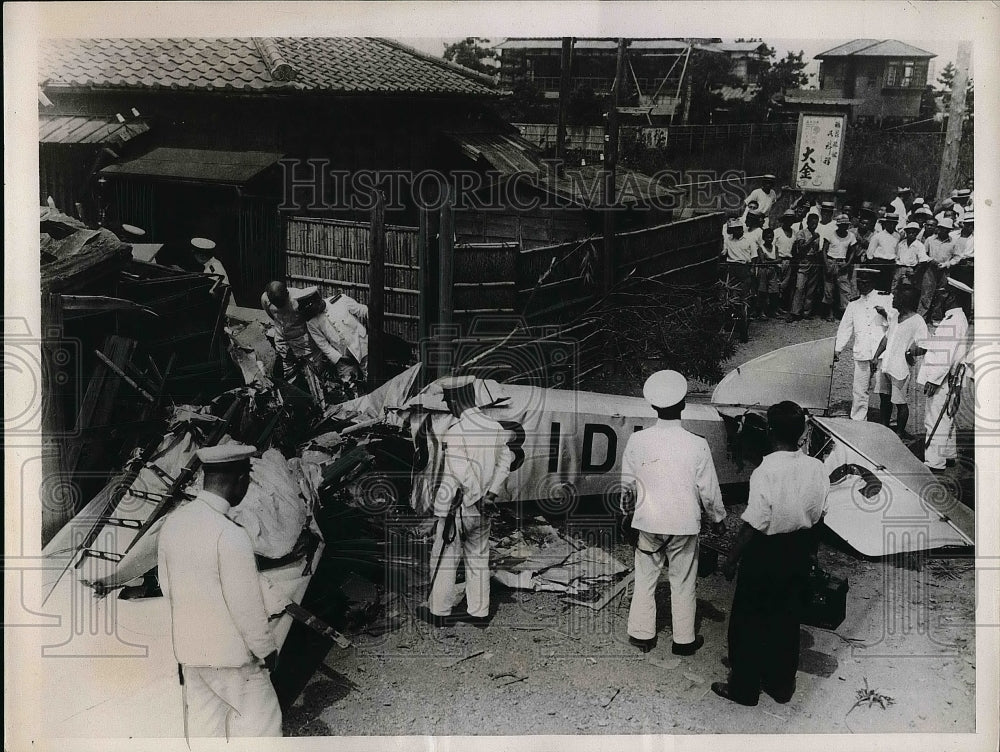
column 567, row 446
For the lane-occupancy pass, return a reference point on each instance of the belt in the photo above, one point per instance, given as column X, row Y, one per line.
column 741, row 263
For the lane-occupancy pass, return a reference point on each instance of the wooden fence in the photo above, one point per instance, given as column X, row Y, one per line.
column 334, row 254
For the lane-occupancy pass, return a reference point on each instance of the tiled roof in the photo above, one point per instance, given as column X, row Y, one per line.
column 875, row 48
column 57, row 129
column 336, row 65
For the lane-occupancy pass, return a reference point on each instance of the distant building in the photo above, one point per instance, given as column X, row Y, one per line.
column 656, row 67
column 873, row 80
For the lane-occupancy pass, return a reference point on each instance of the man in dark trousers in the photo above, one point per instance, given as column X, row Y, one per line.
column 773, row 551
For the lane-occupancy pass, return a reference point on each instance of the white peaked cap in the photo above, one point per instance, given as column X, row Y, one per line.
column 665, row 388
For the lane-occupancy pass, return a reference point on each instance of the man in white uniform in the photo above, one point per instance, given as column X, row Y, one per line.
column 866, row 319
column 338, row 336
column 475, row 463
column 670, row 474
column 943, row 353
column 221, row 639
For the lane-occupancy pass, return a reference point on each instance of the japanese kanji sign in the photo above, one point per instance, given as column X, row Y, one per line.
column 818, row 149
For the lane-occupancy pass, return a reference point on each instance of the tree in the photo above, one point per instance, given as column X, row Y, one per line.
column 474, row 54
column 946, row 78
column 784, row 74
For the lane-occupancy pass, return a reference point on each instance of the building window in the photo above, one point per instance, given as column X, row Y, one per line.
column 906, row 74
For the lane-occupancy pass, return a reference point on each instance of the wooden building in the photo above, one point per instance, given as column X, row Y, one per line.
column 874, row 80
column 243, row 133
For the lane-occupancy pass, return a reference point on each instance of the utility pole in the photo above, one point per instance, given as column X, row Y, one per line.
column 446, row 286
column 565, row 79
column 956, row 114
column 376, row 293
column 608, row 173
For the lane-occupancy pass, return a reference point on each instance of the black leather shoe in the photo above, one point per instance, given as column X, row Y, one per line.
column 779, row 697
column 687, row 648
column 722, row 690
column 424, row 614
column 477, row 621
column 644, row 645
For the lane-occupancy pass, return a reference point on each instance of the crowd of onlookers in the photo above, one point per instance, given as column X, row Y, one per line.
column 803, row 261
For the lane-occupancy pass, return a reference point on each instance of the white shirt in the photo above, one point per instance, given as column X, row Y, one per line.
column 839, row 246
column 827, row 230
column 326, row 337
column 865, row 324
column 764, row 200
column 946, row 347
column 788, row 492
column 900, row 210
column 883, row 245
column 942, row 253
column 964, row 245
column 783, row 243
column 347, row 317
column 477, row 459
column 900, row 337
column 674, row 478
column 742, row 249
column 207, row 571
column 910, row 254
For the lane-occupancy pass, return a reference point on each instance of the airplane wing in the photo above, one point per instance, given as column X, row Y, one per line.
column 912, row 511
column 801, row 373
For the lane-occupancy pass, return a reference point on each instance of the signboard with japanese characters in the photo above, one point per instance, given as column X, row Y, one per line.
column 818, row 150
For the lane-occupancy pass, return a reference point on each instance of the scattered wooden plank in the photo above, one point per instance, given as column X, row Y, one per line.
column 465, row 658
column 611, row 595
column 124, row 376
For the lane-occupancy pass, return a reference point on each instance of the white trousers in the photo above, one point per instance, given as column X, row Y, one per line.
column 942, row 446
column 471, row 545
column 229, row 702
column 860, row 388
column 681, row 557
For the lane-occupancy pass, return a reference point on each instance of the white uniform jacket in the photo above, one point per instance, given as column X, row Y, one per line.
column 861, row 321
column 208, row 572
column 476, row 459
column 945, row 348
column 672, row 473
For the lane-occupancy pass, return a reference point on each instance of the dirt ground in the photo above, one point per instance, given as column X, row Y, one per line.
column 544, row 667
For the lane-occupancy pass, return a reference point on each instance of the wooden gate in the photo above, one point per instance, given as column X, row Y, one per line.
column 333, row 254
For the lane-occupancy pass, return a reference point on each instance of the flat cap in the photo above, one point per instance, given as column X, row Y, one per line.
column 133, row 230
column 788, row 213
column 912, row 226
column 946, row 223
column 828, row 205
column 665, row 388
column 224, row 453
column 904, row 189
column 300, row 293
column 843, row 219
column 891, row 217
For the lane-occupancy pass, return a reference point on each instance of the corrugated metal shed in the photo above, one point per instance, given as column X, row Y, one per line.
column 506, row 153
column 68, row 129
column 201, row 165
